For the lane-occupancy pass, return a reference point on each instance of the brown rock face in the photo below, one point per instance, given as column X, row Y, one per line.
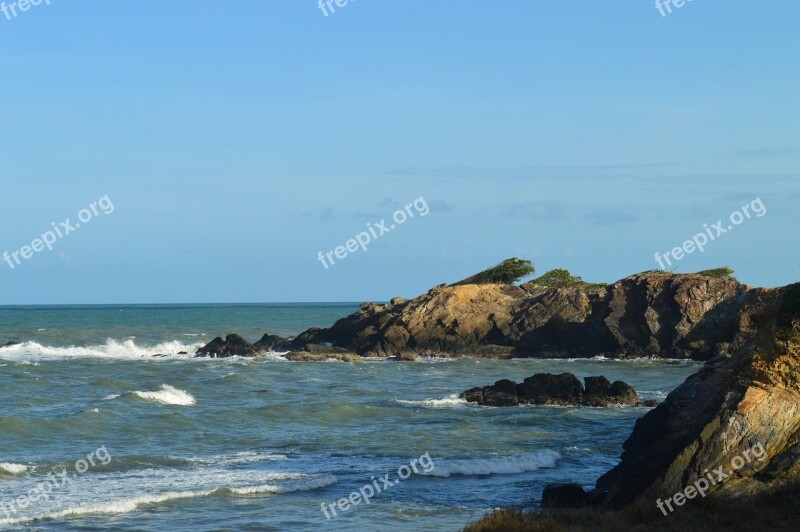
column 736, row 422
column 654, row 313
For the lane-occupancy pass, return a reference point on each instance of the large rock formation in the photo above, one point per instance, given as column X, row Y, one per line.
column 649, row 314
column 731, row 430
column 736, row 422
column 548, row 389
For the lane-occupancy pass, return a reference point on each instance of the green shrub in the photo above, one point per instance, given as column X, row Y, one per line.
column 507, row 272
column 560, row 278
column 723, row 273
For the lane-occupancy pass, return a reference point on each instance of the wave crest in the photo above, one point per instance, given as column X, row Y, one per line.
column 126, row 349
column 167, row 395
column 13, row 469
column 506, row 465
column 445, row 402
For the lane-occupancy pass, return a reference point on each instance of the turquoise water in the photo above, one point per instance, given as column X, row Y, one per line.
column 260, row 444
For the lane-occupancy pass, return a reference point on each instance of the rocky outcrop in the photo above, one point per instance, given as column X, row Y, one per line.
column 731, row 430
column 548, row 389
column 649, row 314
column 323, row 353
column 235, row 345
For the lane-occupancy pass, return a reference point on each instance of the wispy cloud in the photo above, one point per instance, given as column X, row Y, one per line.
column 542, row 211
column 525, row 172
column 608, row 217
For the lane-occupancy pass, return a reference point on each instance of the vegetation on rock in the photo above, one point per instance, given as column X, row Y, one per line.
column 507, row 272
column 724, row 273
column 560, row 278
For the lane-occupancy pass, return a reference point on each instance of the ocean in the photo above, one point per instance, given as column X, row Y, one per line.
column 172, row 442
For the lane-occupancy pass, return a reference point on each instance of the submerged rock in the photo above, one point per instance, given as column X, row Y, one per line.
column 549, row 389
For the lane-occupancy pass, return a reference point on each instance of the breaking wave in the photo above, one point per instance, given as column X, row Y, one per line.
column 112, row 349
column 131, row 504
column 506, row 465
column 13, row 469
column 450, row 401
column 167, row 395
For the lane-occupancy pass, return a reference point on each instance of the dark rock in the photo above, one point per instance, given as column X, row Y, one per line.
column 235, row 345
column 9, row 344
column 269, row 342
column 232, row 345
column 503, row 393
column 473, row 395
column 182, row 353
column 596, row 386
column 623, row 393
column 548, row 389
column 565, row 496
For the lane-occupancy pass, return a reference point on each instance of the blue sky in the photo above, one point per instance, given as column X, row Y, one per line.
column 237, row 140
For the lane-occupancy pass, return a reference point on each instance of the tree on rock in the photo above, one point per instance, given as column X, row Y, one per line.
column 724, row 273
column 507, row 272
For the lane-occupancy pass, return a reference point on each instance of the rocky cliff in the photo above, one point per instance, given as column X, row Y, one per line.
column 648, row 314
column 722, row 452
column 736, row 423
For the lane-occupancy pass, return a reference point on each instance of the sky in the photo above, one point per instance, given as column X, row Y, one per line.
column 238, row 140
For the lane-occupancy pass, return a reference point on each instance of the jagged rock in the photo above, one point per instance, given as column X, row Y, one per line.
column 235, row 345
column 269, row 342
column 232, row 345
column 9, row 344
column 548, row 389
column 649, row 314
column 739, row 410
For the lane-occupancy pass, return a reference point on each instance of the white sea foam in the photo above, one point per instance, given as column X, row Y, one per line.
column 112, row 349
column 244, row 457
column 496, row 465
column 167, row 395
column 13, row 469
column 450, row 401
column 124, row 505
column 288, row 487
